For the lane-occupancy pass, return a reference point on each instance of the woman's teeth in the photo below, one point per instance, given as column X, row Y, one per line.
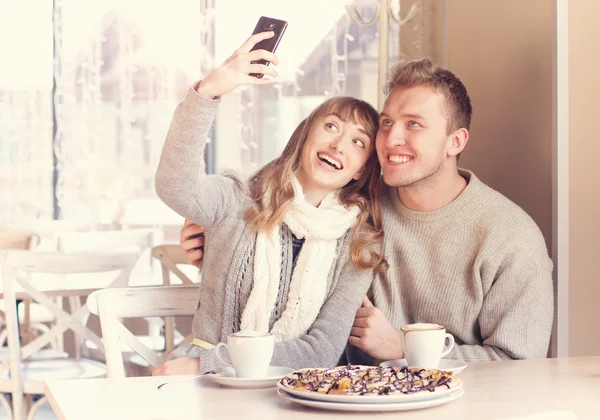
column 330, row 160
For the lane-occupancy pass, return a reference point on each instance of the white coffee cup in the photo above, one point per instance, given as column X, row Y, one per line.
column 425, row 344
column 250, row 353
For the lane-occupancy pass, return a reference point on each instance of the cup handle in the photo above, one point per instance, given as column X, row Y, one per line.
column 403, row 344
column 447, row 348
column 220, row 356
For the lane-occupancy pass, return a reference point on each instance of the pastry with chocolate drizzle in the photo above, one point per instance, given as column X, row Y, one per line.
column 370, row 380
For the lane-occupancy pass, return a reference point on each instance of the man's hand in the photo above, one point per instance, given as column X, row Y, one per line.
column 192, row 241
column 182, row 366
column 374, row 334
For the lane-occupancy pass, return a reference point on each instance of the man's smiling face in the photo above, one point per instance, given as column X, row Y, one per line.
column 412, row 140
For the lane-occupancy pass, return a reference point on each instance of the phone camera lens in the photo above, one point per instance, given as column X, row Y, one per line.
column 269, row 26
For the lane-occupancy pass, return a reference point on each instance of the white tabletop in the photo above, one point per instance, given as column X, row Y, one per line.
column 538, row 389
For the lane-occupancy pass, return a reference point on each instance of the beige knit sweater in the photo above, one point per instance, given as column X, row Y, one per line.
column 479, row 266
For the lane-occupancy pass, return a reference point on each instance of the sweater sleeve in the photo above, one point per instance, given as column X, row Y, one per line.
column 181, row 181
column 208, row 357
column 517, row 312
column 325, row 341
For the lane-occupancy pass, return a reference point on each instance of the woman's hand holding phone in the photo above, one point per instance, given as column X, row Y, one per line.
column 235, row 71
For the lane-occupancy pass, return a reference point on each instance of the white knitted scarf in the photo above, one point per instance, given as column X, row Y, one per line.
column 320, row 227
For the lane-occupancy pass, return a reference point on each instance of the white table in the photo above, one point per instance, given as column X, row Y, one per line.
column 539, row 389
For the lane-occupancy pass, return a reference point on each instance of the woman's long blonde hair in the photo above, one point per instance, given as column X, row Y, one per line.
column 272, row 193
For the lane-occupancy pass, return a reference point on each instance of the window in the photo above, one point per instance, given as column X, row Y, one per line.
column 88, row 92
column 26, row 111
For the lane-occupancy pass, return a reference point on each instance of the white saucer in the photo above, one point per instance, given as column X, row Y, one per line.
column 399, row 406
column 226, row 377
column 449, row 365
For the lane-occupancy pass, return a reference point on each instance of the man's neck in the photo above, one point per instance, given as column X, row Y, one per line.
column 433, row 193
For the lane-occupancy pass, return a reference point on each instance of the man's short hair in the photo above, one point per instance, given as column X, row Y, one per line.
column 423, row 72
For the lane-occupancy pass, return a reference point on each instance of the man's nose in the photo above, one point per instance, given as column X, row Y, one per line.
column 396, row 136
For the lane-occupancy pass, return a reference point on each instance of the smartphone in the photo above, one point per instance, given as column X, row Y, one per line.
column 266, row 24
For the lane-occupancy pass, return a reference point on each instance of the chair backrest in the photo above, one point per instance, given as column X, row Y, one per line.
column 105, row 240
column 55, row 262
column 113, row 304
column 49, row 228
column 169, row 256
column 17, row 264
column 11, row 239
column 141, row 240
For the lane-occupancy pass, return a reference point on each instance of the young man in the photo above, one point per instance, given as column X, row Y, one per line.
column 460, row 254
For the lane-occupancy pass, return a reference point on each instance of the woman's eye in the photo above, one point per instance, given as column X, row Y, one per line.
column 359, row 143
column 332, row 126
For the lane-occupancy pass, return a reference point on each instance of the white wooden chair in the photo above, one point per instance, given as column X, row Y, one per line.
column 32, row 316
column 23, row 374
column 105, row 240
column 140, row 240
column 170, row 257
column 111, row 305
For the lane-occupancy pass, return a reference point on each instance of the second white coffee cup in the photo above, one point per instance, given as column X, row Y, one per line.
column 425, row 344
column 250, row 353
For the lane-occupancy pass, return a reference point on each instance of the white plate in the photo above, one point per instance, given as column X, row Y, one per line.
column 449, row 365
column 367, row 399
column 400, row 406
column 226, row 377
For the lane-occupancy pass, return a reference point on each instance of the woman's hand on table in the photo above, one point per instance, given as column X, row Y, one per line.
column 181, row 366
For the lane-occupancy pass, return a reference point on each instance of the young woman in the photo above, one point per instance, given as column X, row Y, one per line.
column 292, row 252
